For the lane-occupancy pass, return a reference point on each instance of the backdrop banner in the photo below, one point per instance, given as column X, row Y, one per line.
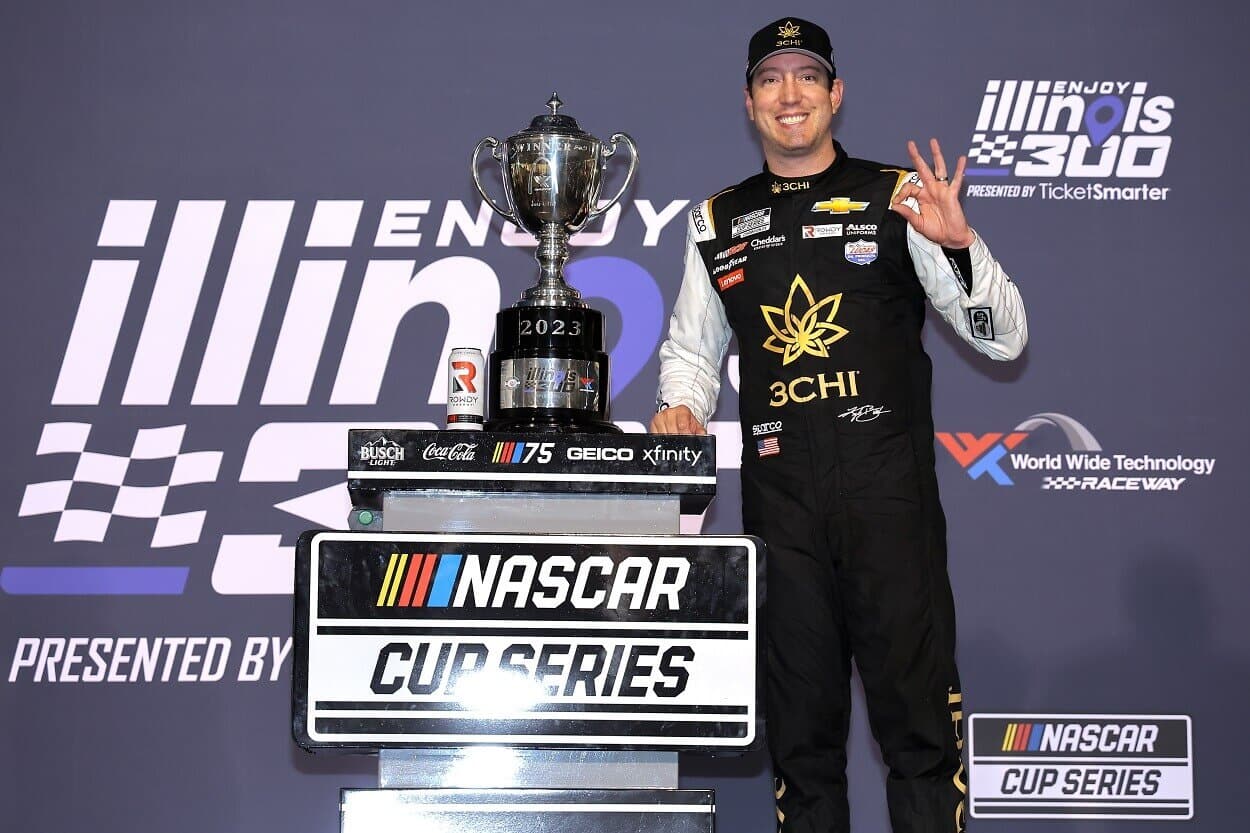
column 232, row 231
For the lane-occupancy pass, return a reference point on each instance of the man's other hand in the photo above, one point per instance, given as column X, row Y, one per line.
column 938, row 215
column 676, row 420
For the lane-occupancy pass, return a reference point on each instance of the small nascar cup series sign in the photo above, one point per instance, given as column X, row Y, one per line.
column 1074, row 766
column 417, row 639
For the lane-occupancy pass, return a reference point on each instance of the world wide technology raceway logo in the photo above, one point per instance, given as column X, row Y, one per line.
column 1070, row 140
column 1005, row 457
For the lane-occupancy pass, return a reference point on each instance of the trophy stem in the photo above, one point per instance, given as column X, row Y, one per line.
column 551, row 254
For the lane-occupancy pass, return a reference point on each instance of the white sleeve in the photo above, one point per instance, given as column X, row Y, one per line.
column 698, row 335
column 986, row 310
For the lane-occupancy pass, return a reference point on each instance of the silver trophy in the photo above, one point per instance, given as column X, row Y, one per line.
column 548, row 370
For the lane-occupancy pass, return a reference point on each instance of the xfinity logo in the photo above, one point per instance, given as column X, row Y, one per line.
column 659, row 454
column 460, row 452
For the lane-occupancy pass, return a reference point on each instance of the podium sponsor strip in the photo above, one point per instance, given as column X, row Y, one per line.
column 382, row 460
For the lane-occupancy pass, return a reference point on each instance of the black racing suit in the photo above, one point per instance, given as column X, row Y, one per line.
column 825, row 289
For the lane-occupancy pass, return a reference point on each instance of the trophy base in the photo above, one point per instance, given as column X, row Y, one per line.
column 551, row 422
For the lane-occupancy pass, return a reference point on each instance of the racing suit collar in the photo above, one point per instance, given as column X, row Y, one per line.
column 783, row 186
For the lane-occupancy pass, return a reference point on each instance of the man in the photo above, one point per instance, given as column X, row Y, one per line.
column 821, row 265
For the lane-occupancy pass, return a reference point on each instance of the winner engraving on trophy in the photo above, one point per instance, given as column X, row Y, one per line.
column 548, row 371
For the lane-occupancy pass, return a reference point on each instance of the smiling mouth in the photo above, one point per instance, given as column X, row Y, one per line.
column 792, row 119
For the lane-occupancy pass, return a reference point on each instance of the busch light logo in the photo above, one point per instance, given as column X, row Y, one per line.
column 382, row 452
column 1099, row 130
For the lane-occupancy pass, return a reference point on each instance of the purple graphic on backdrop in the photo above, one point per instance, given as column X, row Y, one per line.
column 1102, row 117
column 633, row 291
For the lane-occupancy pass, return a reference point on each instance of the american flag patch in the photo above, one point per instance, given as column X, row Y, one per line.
column 769, row 446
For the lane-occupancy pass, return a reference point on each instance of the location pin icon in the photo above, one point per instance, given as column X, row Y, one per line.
column 1102, row 117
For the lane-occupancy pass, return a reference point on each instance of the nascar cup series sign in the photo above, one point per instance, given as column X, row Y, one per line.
column 1081, row 766
column 412, row 639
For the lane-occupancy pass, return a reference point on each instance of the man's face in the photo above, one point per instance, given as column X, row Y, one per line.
column 792, row 104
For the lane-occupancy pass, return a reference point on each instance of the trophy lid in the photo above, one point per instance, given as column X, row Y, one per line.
column 554, row 122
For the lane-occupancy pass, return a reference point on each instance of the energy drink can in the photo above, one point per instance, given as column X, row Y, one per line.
column 466, row 383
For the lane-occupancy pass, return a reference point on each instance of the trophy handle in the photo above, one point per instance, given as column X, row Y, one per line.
column 629, row 175
column 493, row 143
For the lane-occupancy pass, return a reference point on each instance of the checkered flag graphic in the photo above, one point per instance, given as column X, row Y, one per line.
column 130, row 501
column 987, row 151
column 1061, row 483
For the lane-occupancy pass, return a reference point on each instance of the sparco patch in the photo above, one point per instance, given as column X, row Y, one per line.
column 701, row 221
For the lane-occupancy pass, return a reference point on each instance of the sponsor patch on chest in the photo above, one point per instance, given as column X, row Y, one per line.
column 861, row 252
column 822, row 230
column 732, row 279
column 753, row 223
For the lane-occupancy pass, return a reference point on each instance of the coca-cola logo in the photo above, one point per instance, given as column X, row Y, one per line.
column 460, row 452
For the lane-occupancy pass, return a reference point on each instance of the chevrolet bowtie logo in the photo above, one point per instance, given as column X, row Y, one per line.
column 839, row 205
column 789, row 30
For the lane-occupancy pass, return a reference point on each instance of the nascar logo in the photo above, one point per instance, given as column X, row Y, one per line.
column 427, row 579
column 519, row 581
column 1080, row 737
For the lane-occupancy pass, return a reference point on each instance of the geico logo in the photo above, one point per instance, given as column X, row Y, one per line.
column 580, row 453
column 636, row 582
column 806, row 388
column 1100, row 737
column 560, row 669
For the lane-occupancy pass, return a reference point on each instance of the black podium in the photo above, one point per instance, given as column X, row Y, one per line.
column 513, row 624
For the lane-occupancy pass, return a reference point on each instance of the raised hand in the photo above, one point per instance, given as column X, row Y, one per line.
column 940, row 217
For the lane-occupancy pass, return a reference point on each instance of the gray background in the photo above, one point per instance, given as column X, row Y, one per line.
column 1084, row 602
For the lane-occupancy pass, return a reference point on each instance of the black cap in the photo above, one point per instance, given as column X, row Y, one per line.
column 790, row 34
